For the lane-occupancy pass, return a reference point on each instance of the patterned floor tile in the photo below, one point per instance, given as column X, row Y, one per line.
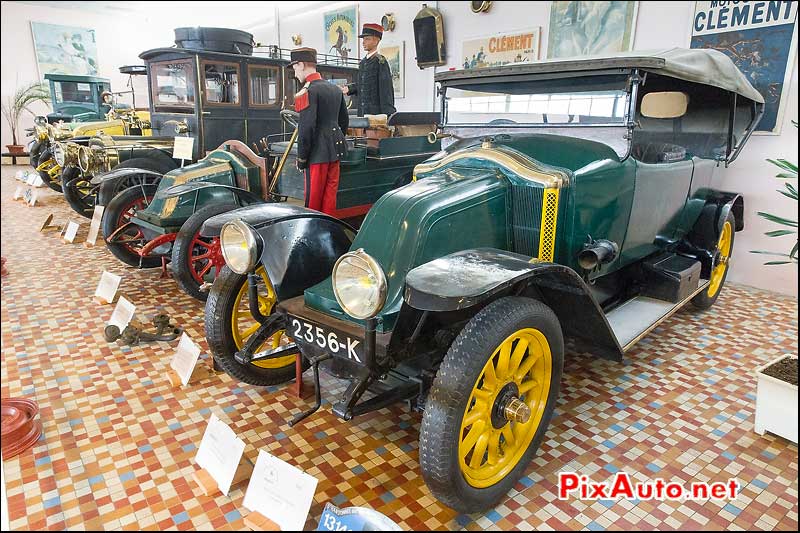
column 118, row 442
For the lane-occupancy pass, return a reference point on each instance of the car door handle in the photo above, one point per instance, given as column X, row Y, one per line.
column 205, row 113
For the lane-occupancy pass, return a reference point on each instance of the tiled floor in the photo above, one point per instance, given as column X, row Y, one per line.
column 118, row 444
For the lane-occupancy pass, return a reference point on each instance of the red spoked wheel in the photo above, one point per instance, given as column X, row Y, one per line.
column 205, row 255
column 124, row 238
column 194, row 257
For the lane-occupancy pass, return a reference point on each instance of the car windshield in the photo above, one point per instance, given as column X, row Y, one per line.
column 70, row 91
column 173, row 84
column 561, row 102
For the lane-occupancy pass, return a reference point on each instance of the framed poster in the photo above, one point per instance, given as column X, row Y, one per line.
column 588, row 28
column 395, row 56
column 760, row 38
column 64, row 49
column 511, row 47
column 341, row 32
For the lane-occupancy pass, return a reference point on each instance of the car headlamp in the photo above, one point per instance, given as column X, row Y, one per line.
column 239, row 246
column 59, row 153
column 359, row 284
column 84, row 157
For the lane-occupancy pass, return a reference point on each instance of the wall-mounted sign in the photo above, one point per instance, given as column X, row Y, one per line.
column 760, row 37
column 341, row 32
column 395, row 56
column 581, row 28
column 501, row 49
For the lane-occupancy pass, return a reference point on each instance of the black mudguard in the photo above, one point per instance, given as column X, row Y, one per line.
column 471, row 277
column 108, row 182
column 299, row 246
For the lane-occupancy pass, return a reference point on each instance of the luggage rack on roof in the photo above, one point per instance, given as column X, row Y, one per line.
column 275, row 52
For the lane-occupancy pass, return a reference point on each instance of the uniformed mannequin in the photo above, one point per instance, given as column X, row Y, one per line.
column 320, row 135
column 374, row 91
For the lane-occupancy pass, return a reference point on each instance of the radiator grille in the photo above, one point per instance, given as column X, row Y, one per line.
column 526, row 218
column 547, row 234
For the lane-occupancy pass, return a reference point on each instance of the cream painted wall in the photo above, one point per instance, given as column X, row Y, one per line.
column 659, row 25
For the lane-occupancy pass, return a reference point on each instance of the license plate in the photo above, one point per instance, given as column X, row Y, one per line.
column 325, row 338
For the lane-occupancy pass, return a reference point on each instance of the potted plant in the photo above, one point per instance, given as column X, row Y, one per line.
column 776, row 398
column 19, row 102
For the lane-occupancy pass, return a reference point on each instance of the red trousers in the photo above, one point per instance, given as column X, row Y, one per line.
column 322, row 182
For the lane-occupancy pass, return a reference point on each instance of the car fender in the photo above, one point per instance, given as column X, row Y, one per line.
column 708, row 227
column 299, row 246
column 472, row 278
column 243, row 195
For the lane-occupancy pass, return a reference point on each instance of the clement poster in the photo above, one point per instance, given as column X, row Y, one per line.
column 501, row 49
column 395, row 55
column 760, row 37
column 64, row 49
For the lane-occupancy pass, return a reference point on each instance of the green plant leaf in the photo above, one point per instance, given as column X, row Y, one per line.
column 777, row 263
column 768, row 253
column 778, row 220
column 785, row 165
column 779, row 233
column 793, row 253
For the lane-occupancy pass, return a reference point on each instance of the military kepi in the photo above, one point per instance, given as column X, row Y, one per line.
column 305, row 55
column 376, row 30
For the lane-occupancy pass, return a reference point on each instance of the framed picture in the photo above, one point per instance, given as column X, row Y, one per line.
column 341, row 32
column 64, row 49
column 761, row 38
column 580, row 28
column 395, row 54
column 511, row 47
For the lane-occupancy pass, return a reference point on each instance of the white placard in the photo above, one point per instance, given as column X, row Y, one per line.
column 26, row 196
column 71, row 231
column 281, row 492
column 18, row 192
column 30, row 178
column 34, row 196
column 21, row 175
column 183, row 148
column 94, row 227
column 38, row 181
column 107, row 287
column 123, row 313
column 219, row 453
column 185, row 358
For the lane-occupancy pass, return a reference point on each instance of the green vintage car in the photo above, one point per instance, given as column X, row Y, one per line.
column 578, row 198
column 145, row 226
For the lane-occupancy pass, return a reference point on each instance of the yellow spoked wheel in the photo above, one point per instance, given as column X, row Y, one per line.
column 491, row 402
column 243, row 324
column 505, row 408
column 719, row 272
column 229, row 325
column 724, row 249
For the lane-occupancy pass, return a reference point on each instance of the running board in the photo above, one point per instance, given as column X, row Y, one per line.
column 637, row 317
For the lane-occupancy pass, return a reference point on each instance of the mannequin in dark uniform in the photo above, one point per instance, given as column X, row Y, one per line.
column 320, row 131
column 374, row 91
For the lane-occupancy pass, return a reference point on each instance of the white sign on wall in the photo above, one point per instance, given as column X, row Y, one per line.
column 502, row 49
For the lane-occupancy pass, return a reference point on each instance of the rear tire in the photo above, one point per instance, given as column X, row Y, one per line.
column 471, row 454
column 53, row 183
column 719, row 273
column 223, row 313
column 118, row 212
column 188, row 244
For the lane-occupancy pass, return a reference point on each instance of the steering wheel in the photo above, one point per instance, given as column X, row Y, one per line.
column 290, row 117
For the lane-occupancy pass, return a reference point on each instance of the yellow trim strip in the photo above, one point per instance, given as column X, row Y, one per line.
column 514, row 161
column 547, row 232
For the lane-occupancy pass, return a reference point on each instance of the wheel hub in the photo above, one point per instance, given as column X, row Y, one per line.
column 508, row 407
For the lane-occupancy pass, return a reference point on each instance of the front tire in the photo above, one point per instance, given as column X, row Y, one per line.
column 229, row 324
column 79, row 192
column 471, row 453
column 193, row 256
column 119, row 212
column 51, row 180
column 719, row 273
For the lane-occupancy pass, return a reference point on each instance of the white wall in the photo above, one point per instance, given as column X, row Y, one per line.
column 659, row 25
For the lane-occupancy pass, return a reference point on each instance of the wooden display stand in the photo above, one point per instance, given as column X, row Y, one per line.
column 258, row 522
column 201, row 371
column 209, row 487
column 47, row 226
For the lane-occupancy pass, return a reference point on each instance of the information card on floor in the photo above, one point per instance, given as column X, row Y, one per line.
column 185, row 358
column 220, row 452
column 281, row 492
column 107, row 287
column 123, row 313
